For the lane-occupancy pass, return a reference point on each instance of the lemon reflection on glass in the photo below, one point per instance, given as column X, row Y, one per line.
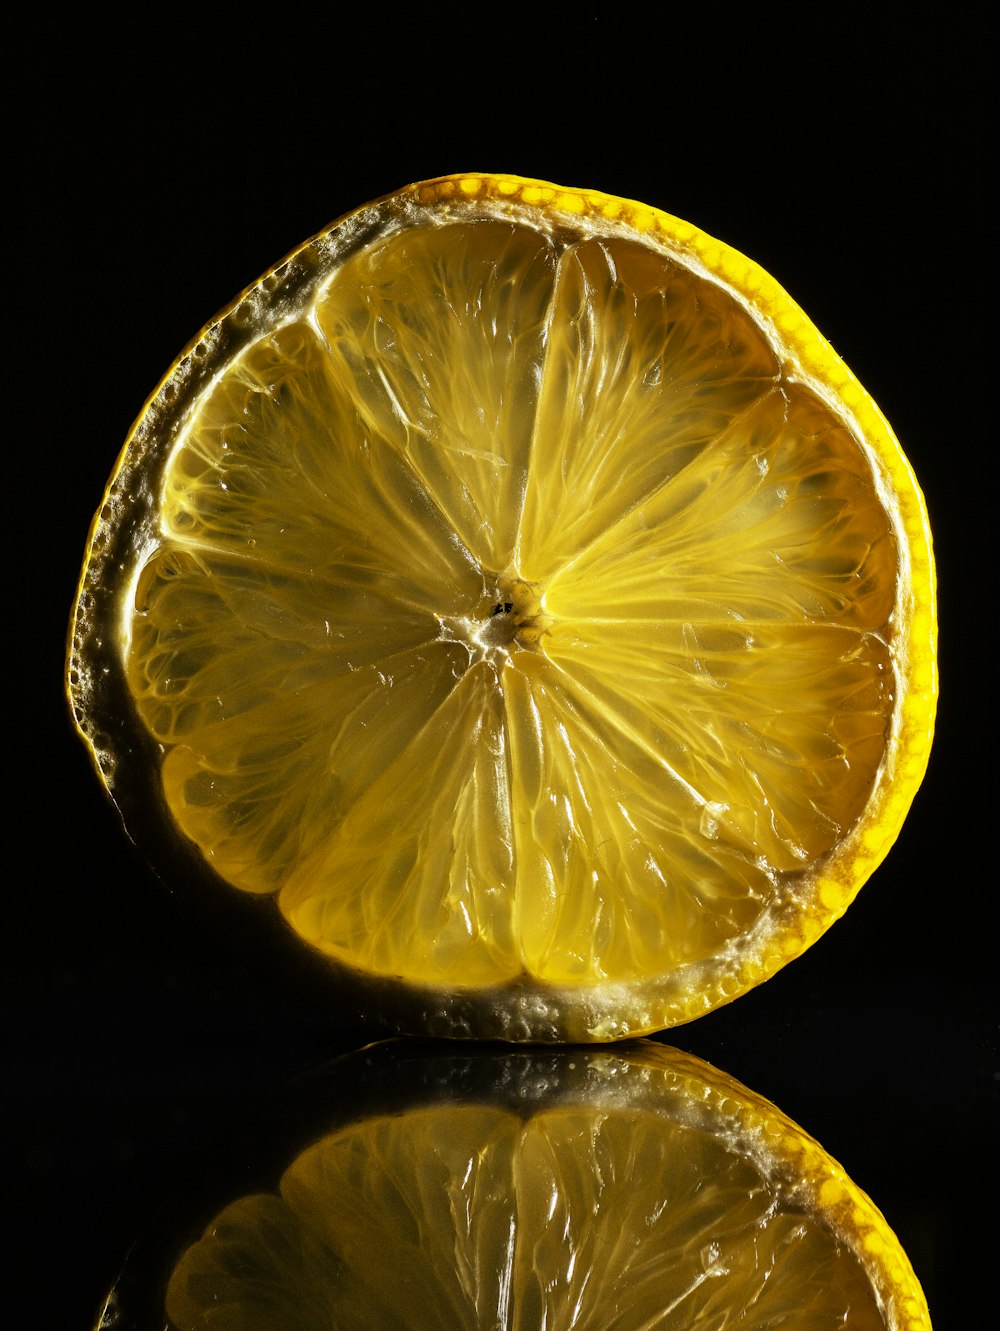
column 619, row 1190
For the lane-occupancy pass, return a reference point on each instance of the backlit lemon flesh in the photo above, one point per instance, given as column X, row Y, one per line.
column 521, row 591
column 617, row 1193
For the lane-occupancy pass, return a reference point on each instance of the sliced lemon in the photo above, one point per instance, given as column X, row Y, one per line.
column 612, row 1190
column 515, row 587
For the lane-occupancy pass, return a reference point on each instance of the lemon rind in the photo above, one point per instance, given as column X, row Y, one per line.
column 124, row 529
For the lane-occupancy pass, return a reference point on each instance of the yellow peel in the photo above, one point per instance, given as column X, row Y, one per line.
column 442, row 577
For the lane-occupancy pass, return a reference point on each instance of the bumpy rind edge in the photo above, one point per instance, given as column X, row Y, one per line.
column 124, row 526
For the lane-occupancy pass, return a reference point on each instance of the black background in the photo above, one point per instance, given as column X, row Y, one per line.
column 156, row 174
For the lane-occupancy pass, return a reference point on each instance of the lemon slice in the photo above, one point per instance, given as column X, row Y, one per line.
column 579, row 1188
column 516, row 589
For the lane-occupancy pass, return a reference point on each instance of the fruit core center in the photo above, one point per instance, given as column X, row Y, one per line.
column 510, row 618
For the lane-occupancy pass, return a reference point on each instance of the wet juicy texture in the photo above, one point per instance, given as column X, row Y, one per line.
column 515, row 613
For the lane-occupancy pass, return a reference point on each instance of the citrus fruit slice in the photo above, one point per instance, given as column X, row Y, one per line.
column 607, row 1189
column 516, row 589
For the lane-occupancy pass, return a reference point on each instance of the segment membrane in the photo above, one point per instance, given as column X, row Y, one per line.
column 265, row 792
column 282, row 697
column 738, row 619
column 438, row 333
column 646, row 364
column 278, row 469
column 779, row 729
column 213, row 637
column 616, row 877
column 418, row 880
column 777, row 521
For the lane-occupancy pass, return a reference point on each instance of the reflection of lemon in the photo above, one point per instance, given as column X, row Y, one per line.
column 517, row 587
column 586, row 1189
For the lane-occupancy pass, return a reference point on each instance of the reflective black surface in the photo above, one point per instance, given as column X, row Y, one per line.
column 162, row 176
column 427, row 1184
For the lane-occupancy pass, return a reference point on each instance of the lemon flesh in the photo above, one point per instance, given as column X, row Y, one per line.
column 659, row 1194
column 521, row 611
column 703, row 712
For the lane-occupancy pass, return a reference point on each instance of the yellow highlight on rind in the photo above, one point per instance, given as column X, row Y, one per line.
column 565, row 421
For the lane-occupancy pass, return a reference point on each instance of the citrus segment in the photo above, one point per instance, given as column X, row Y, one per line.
column 412, row 869
column 757, row 587
column 615, row 884
column 277, row 469
column 438, row 333
column 646, row 363
column 541, row 626
column 776, row 518
column 260, row 793
column 639, row 1191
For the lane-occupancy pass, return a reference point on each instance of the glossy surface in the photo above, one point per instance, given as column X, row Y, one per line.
column 577, row 1189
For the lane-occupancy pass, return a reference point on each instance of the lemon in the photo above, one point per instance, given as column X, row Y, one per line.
column 516, row 590
column 587, row 1188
